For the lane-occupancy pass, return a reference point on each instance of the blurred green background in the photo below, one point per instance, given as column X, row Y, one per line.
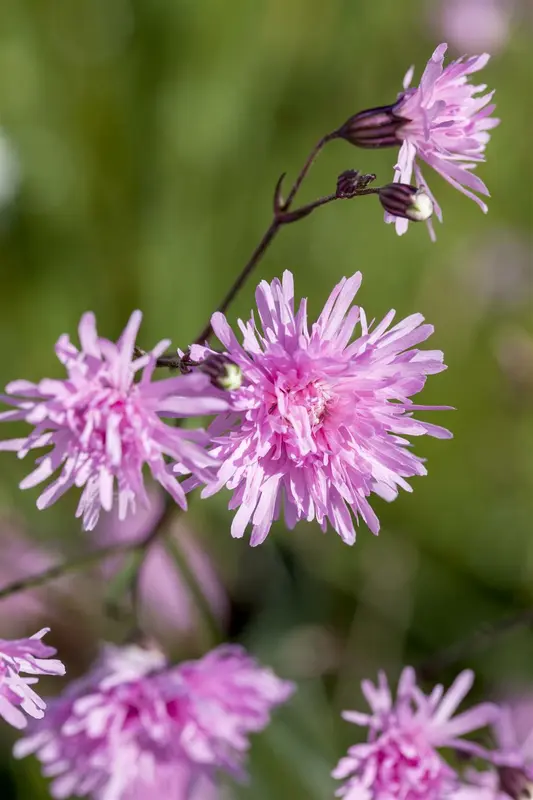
column 142, row 140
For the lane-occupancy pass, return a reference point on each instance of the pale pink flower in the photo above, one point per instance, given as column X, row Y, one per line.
column 134, row 724
column 401, row 757
column 445, row 121
column 166, row 607
column 103, row 427
column 22, row 558
column 319, row 423
column 32, row 657
column 473, row 25
column 447, row 126
column 511, row 774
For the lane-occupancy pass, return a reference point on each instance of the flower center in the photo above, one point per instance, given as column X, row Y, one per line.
column 406, row 767
column 314, row 398
column 298, row 413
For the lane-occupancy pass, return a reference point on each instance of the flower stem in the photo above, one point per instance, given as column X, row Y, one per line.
column 57, row 571
column 210, row 622
column 473, row 642
column 256, row 256
column 85, row 560
column 281, row 217
column 307, row 166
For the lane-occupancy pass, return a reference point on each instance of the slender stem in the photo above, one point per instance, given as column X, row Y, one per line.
column 85, row 560
column 126, row 581
column 210, row 622
column 67, row 566
column 256, row 256
column 280, row 218
column 306, row 167
column 303, row 211
column 474, row 641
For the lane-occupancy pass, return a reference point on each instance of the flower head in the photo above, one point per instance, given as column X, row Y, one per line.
column 32, row 657
column 447, row 126
column 400, row 758
column 443, row 122
column 134, row 724
column 103, row 427
column 319, row 422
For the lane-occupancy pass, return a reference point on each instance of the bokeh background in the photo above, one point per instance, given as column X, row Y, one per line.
column 140, row 143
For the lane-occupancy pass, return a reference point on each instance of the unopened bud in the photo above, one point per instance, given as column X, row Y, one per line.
column 402, row 200
column 223, row 372
column 516, row 783
column 351, row 182
column 375, row 127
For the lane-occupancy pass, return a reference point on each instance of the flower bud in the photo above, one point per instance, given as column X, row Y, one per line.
column 402, row 200
column 223, row 372
column 375, row 127
column 351, row 182
column 516, row 783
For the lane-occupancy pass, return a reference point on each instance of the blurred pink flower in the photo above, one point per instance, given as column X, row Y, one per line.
column 166, row 605
column 400, row 758
column 133, row 724
column 103, row 427
column 319, row 423
column 32, row 657
column 21, row 558
column 511, row 775
column 474, row 25
column 447, row 127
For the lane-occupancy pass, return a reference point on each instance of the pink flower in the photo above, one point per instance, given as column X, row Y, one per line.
column 511, row 777
column 474, row 24
column 133, row 724
column 104, row 427
column 511, row 774
column 447, row 127
column 32, row 657
column 400, row 758
column 319, row 423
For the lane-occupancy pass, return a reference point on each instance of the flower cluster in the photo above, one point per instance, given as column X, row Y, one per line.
column 134, row 727
column 321, row 418
column 310, row 421
column 445, row 122
column 32, row 657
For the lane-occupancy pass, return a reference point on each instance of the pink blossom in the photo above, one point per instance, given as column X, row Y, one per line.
column 511, row 776
column 401, row 757
column 166, row 607
column 104, row 427
column 319, row 423
column 22, row 558
column 32, row 657
column 447, row 127
column 134, row 724
column 470, row 25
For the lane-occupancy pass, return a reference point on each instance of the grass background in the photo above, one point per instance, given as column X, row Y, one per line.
column 149, row 136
